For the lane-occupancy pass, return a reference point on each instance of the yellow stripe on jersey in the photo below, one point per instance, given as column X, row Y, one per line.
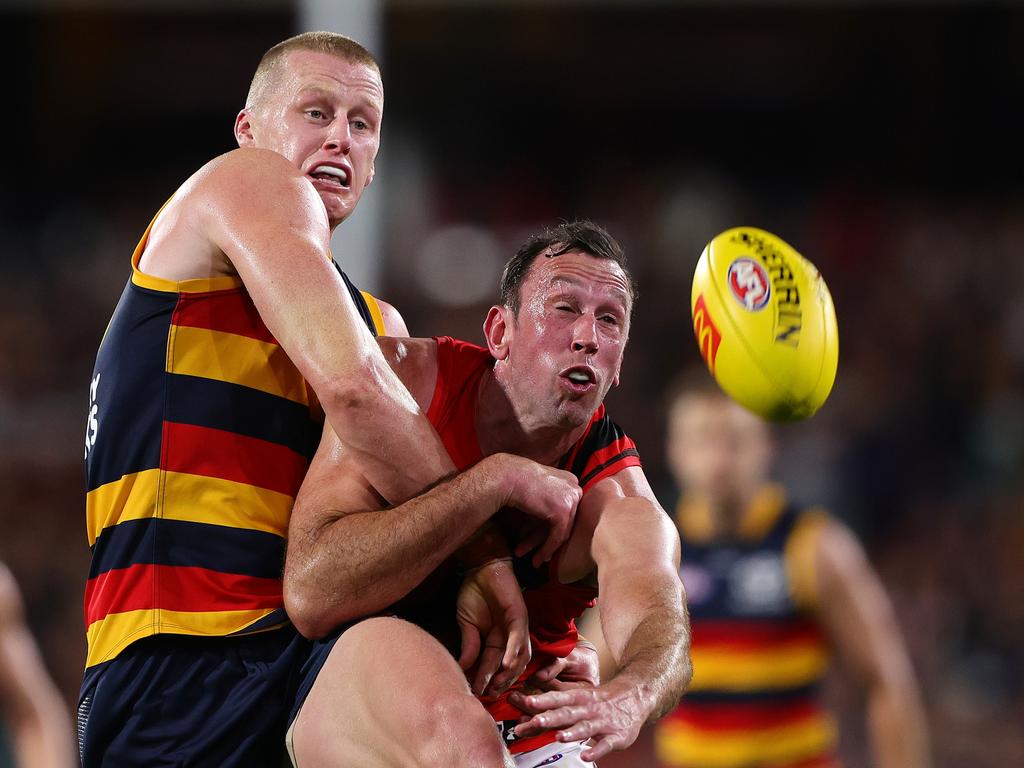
column 754, row 669
column 195, row 285
column 130, row 498
column 681, row 744
column 235, row 359
column 190, row 498
column 199, row 499
column 113, row 633
column 800, row 553
column 375, row 313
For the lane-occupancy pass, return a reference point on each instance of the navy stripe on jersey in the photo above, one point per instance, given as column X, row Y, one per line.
column 767, row 696
column 130, row 391
column 154, row 541
column 357, row 298
column 242, row 410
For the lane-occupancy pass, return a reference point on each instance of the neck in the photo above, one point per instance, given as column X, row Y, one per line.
column 503, row 426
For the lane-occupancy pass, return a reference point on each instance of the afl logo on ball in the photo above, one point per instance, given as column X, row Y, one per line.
column 749, row 283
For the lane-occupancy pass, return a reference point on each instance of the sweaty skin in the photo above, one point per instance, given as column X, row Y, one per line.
column 575, row 319
column 262, row 213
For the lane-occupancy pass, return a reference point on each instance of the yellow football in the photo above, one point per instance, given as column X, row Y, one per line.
column 765, row 324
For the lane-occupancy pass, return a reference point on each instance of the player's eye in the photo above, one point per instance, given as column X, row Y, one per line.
column 609, row 319
column 360, row 125
column 316, row 114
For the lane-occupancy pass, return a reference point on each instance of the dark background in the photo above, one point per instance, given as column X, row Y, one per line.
column 881, row 140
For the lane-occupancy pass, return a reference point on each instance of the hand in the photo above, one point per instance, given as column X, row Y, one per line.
column 580, row 669
column 610, row 716
column 548, row 495
column 490, row 606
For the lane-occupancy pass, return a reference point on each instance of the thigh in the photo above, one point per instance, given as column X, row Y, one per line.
column 385, row 688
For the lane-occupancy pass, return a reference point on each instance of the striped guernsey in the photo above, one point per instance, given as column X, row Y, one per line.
column 759, row 654
column 199, row 433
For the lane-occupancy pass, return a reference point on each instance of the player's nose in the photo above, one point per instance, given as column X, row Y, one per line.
column 584, row 334
column 339, row 137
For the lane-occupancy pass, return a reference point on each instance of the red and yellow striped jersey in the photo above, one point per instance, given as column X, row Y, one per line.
column 759, row 655
column 199, row 434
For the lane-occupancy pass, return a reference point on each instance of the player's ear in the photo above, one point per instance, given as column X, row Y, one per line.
column 243, row 129
column 496, row 332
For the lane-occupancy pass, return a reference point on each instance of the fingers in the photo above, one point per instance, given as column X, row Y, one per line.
column 556, row 537
column 517, row 656
column 600, row 747
column 490, row 661
column 546, row 675
column 533, row 538
column 571, row 719
column 470, row 645
column 543, row 702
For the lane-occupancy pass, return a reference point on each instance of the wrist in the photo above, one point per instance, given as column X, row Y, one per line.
column 495, row 562
column 487, row 545
column 502, row 473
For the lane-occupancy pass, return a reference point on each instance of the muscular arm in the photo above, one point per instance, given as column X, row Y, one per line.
column 635, row 548
column 644, row 620
column 857, row 613
column 267, row 220
column 349, row 556
column 32, row 707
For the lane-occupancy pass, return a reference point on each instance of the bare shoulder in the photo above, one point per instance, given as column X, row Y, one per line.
column 415, row 362
column 254, row 182
column 247, row 164
column 394, row 323
column 233, row 198
column 838, row 550
column 618, row 506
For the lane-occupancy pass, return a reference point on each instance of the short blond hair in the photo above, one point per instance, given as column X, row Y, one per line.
column 269, row 69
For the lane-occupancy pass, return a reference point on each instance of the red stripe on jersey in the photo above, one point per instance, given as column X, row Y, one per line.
column 609, row 452
column 226, row 311
column 177, row 588
column 571, row 458
column 624, row 460
column 744, row 717
column 229, row 456
column 755, row 635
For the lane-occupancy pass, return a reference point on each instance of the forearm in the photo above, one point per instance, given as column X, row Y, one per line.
column 896, row 723
column 358, row 563
column 43, row 741
column 36, row 718
column 654, row 657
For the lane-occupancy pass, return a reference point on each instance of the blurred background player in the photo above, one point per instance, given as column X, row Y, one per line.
column 773, row 590
column 35, row 730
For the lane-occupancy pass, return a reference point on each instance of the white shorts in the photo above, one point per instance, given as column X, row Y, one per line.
column 556, row 754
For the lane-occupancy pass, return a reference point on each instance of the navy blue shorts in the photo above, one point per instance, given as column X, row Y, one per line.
column 177, row 700
column 314, row 662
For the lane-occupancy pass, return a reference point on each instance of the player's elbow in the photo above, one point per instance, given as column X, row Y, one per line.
column 305, row 612
column 355, row 399
column 313, row 611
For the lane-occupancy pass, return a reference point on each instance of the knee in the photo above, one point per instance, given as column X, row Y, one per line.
column 456, row 731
